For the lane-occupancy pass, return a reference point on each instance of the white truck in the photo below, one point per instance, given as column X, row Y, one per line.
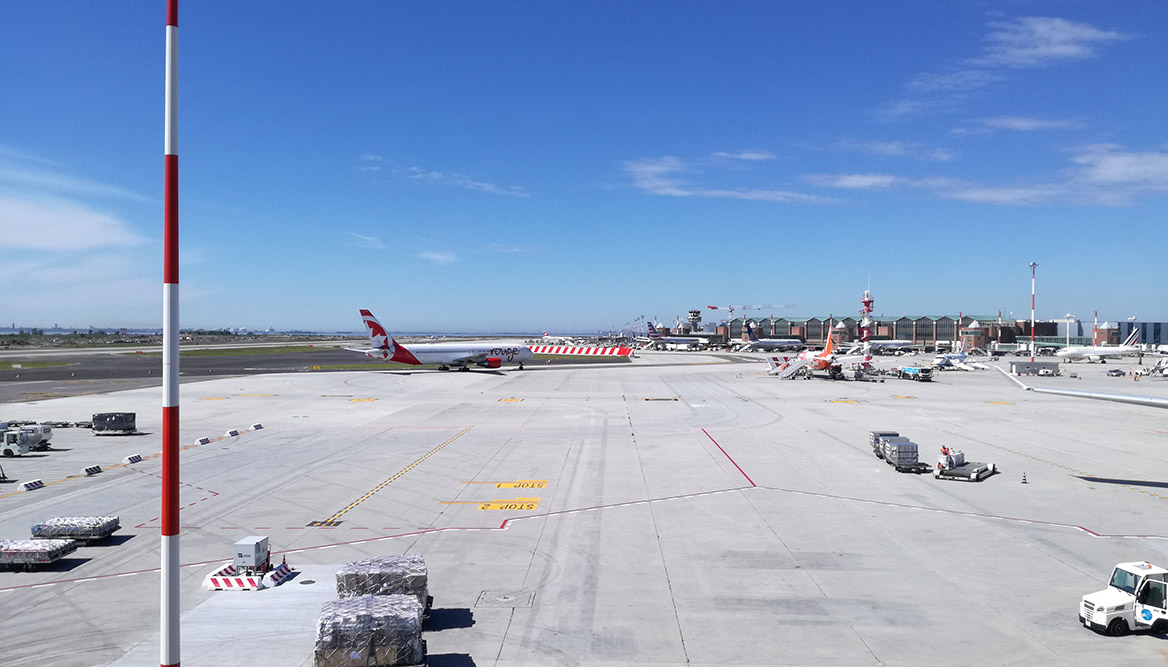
column 1135, row 599
column 15, row 443
column 39, row 436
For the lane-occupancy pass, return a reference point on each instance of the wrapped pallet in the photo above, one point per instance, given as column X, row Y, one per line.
column 384, row 575
column 29, row 553
column 77, row 527
column 370, row 631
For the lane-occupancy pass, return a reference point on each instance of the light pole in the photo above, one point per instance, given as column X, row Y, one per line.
column 1032, row 267
column 1070, row 318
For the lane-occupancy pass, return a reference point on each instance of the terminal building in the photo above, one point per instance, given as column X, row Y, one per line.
column 923, row 331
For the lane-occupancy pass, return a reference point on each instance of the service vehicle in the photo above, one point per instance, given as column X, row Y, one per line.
column 951, row 464
column 1134, row 599
column 918, row 373
column 1116, row 372
column 39, row 436
column 15, row 443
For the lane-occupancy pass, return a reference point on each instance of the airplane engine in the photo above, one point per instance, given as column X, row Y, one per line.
column 491, row 362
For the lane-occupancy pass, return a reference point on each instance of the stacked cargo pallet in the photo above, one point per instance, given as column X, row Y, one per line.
column 30, row 553
column 378, row 620
column 77, row 527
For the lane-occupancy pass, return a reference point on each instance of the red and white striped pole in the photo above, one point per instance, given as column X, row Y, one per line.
column 169, row 628
column 1032, row 267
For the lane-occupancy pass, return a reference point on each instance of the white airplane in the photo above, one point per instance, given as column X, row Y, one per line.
column 1101, row 352
column 549, row 339
column 655, row 338
column 445, row 355
column 766, row 344
column 954, row 359
column 825, row 360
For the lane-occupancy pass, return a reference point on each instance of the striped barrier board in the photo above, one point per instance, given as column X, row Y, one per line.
column 278, row 575
column 228, row 579
column 133, row 458
column 203, row 441
column 32, row 484
column 256, row 427
column 91, row 470
column 568, row 350
column 231, row 434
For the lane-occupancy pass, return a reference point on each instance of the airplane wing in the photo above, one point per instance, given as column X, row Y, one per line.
column 368, row 351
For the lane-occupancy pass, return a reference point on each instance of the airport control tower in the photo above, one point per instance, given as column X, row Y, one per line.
column 695, row 320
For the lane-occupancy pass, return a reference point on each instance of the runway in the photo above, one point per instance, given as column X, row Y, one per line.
column 677, row 510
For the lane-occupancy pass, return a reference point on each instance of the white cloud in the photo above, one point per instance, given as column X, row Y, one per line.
column 60, row 225
column 902, row 109
column 658, row 176
column 1099, row 175
column 362, row 241
column 1035, row 41
column 1027, row 42
column 853, row 181
column 508, row 248
column 439, row 258
column 25, row 178
column 419, row 174
column 1021, row 124
column 955, row 81
column 910, row 149
column 746, row 155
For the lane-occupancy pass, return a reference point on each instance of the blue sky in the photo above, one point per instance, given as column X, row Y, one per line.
column 525, row 166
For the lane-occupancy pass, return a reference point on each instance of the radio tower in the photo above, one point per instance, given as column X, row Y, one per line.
column 866, row 327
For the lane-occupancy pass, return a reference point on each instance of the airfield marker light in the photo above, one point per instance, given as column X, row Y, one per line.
column 168, row 645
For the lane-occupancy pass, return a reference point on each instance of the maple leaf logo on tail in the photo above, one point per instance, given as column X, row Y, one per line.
column 378, row 338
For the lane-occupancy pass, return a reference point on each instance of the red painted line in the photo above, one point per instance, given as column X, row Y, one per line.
column 728, row 457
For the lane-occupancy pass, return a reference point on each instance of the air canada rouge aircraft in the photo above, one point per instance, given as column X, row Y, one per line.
column 445, row 355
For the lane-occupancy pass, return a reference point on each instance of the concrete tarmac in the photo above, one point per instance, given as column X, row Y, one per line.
column 677, row 510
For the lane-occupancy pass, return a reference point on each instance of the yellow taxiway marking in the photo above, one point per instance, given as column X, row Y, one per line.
column 895, row 396
column 510, row 400
column 841, row 400
column 213, row 398
column 517, row 484
column 257, row 395
column 999, row 403
column 331, row 521
column 361, row 400
column 517, row 504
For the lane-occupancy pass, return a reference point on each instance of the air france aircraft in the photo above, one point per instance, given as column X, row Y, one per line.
column 445, row 355
column 1101, row 352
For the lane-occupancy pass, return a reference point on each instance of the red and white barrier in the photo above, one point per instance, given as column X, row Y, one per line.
column 278, row 575
column 582, row 351
column 228, row 579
